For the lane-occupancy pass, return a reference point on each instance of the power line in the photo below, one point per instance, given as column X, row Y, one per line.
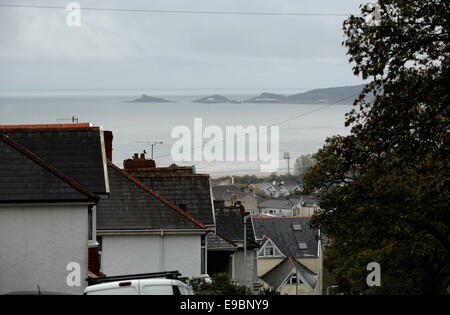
column 178, row 11
column 280, row 122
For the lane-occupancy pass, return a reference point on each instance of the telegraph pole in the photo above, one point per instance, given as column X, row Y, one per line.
column 287, row 157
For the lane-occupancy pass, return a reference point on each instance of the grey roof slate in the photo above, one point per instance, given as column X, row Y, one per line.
column 130, row 207
column 276, row 203
column 24, row 180
column 190, row 192
column 281, row 232
column 220, row 191
column 217, row 242
column 230, row 224
column 277, row 276
column 76, row 153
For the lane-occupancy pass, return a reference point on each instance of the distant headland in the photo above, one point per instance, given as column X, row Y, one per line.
column 216, row 99
column 334, row 95
column 149, row 99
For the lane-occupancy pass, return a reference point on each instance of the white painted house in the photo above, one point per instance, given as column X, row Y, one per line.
column 142, row 232
column 47, row 205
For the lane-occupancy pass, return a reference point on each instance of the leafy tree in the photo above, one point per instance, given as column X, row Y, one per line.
column 385, row 186
column 221, row 284
column 303, row 164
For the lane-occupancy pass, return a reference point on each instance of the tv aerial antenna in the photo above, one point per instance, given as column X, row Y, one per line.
column 73, row 119
column 152, row 144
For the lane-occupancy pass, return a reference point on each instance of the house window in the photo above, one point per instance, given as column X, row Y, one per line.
column 269, row 251
column 294, row 279
column 296, row 227
column 302, row 245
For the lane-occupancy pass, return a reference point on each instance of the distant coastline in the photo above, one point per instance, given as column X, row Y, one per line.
column 333, row 95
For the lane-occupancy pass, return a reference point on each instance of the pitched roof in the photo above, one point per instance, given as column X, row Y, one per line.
column 230, row 224
column 133, row 206
column 25, row 177
column 278, row 276
column 218, row 242
column 75, row 150
column 163, row 170
column 220, row 191
column 276, row 203
column 191, row 192
column 309, row 200
column 263, row 185
column 282, row 233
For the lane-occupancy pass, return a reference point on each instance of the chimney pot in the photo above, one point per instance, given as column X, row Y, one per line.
column 142, row 156
column 136, row 156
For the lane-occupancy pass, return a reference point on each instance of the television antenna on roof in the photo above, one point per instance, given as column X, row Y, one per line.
column 152, row 144
column 73, row 119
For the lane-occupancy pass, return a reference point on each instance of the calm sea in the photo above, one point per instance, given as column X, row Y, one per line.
column 133, row 123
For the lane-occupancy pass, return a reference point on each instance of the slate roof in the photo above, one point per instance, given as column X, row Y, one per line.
column 191, row 192
column 133, row 206
column 277, row 276
column 220, row 191
column 230, row 224
column 309, row 201
column 239, row 195
column 281, row 232
column 25, row 177
column 276, row 204
column 163, row 170
column 218, row 242
column 76, row 152
column 290, row 187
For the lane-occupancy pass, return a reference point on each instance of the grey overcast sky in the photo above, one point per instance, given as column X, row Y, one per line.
column 128, row 50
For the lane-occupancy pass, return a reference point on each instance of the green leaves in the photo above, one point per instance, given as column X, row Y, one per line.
column 384, row 188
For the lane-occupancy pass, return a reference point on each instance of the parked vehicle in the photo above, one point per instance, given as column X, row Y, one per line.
column 165, row 283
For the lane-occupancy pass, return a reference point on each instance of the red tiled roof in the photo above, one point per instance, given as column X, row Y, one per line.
column 46, row 126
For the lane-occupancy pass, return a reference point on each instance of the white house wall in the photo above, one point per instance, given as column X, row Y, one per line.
column 36, row 245
column 239, row 270
column 132, row 254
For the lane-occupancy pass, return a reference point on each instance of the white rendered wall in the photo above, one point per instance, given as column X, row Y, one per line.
column 132, row 254
column 36, row 245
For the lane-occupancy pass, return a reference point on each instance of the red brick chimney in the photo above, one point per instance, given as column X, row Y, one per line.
column 138, row 162
column 108, row 137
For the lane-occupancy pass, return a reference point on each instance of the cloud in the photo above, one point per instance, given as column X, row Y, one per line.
column 112, row 49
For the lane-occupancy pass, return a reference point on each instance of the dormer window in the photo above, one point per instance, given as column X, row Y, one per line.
column 302, row 245
column 270, row 250
column 294, row 279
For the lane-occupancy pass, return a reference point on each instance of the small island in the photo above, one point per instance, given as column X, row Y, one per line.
column 267, row 98
column 149, row 99
column 216, row 99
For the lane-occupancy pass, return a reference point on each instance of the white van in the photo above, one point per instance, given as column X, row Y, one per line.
column 141, row 287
